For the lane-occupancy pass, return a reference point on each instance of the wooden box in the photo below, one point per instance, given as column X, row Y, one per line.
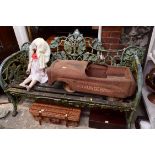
column 55, row 114
column 107, row 119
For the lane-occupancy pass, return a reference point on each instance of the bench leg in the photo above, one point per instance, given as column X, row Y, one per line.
column 14, row 112
column 129, row 119
column 14, row 100
column 129, row 125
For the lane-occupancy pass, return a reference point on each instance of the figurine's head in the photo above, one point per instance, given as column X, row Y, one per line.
column 40, row 47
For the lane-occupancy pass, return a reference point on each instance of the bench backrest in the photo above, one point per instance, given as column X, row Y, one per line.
column 74, row 47
column 77, row 47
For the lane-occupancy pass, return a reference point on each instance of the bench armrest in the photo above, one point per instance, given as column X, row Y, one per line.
column 13, row 68
column 139, row 79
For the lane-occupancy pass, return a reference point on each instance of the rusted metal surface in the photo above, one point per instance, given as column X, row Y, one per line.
column 83, row 76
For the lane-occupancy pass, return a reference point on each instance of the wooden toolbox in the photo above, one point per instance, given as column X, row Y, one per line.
column 107, row 119
column 55, row 114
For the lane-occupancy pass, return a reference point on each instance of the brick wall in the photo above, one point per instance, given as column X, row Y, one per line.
column 111, row 36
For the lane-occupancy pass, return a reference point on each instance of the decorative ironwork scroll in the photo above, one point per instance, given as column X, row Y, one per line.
column 76, row 47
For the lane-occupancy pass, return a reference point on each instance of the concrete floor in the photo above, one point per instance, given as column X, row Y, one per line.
column 24, row 119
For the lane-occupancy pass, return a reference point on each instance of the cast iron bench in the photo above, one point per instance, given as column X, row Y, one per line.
column 73, row 47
